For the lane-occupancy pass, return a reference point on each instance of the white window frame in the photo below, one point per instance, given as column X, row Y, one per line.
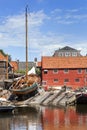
column 55, row 72
column 66, row 80
column 77, row 80
column 55, row 80
column 44, row 82
column 45, row 71
column 86, row 71
column 74, row 53
column 79, row 71
column 67, row 54
column 66, row 71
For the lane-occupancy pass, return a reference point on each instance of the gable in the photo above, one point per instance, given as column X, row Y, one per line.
column 14, row 64
column 67, row 48
column 2, row 57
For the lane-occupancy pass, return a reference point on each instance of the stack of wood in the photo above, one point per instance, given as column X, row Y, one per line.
column 4, row 93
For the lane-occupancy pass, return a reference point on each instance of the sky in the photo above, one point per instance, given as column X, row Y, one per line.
column 52, row 24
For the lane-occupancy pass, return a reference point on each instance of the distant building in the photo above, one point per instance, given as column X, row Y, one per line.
column 67, row 51
column 22, row 65
column 5, row 66
column 14, row 65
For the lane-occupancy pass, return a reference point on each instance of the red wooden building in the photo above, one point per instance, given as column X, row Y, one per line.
column 60, row 71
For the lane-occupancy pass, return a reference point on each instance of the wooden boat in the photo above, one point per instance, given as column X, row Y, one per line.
column 24, row 90
column 26, row 86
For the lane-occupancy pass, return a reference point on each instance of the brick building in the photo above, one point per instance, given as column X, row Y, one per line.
column 60, row 71
column 5, row 67
column 67, row 51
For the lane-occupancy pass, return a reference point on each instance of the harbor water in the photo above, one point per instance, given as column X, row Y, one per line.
column 45, row 118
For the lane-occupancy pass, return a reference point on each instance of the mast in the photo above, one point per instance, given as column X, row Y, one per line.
column 26, row 26
column 7, row 67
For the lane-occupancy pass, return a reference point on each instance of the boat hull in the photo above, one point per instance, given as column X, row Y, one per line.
column 7, row 108
column 26, row 90
column 81, row 98
column 23, row 94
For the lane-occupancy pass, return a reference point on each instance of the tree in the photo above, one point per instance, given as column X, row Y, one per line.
column 38, row 71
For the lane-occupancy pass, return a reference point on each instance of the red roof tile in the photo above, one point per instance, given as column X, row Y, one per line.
column 38, row 64
column 64, row 62
column 2, row 57
column 14, row 64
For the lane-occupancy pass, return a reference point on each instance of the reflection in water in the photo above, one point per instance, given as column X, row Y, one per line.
column 65, row 119
column 23, row 119
column 81, row 109
column 47, row 118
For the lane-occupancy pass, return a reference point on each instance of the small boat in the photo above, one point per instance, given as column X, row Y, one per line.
column 81, row 95
column 25, row 90
column 22, row 89
column 81, row 98
column 5, row 108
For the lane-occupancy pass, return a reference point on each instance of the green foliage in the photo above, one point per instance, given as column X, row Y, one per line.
column 3, row 52
column 38, row 71
column 20, row 71
column 9, row 56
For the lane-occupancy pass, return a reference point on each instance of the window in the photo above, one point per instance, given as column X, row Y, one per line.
column 74, row 53
column 55, row 80
column 86, row 79
column 60, row 54
column 55, row 71
column 79, row 71
column 77, row 80
column 45, row 71
column 67, row 54
column 66, row 70
column 66, row 80
column 44, row 82
column 85, row 70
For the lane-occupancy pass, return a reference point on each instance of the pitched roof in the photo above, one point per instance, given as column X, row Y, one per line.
column 14, row 64
column 67, row 48
column 64, row 62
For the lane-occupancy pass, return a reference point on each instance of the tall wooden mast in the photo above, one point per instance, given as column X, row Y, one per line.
column 26, row 26
column 7, row 67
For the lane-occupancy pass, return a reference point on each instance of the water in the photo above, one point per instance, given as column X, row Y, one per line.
column 45, row 118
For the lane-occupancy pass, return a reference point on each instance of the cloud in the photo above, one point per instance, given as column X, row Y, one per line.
column 56, row 11
column 42, row 39
column 37, row 18
column 72, row 16
column 12, row 29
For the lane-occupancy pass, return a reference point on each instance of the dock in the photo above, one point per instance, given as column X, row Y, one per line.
column 49, row 98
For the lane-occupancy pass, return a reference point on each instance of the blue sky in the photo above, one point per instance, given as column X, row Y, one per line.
column 52, row 24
